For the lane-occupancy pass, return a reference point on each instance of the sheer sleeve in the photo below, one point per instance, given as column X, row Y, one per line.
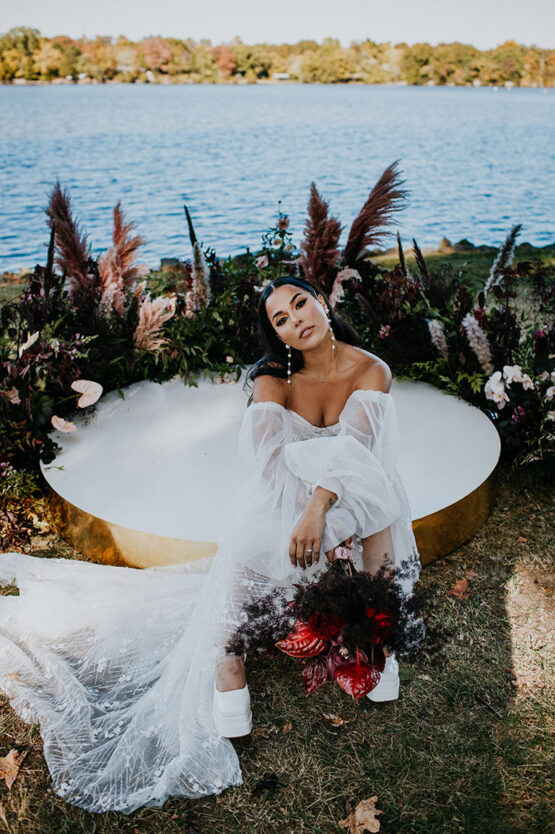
column 264, row 433
column 354, row 464
column 271, row 502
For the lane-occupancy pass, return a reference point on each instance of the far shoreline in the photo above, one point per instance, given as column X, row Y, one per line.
column 507, row 86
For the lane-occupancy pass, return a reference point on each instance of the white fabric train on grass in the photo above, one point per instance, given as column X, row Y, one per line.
column 117, row 664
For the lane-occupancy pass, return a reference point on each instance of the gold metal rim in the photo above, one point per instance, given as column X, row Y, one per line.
column 437, row 534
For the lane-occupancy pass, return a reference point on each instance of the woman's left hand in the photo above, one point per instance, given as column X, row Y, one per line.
column 306, row 539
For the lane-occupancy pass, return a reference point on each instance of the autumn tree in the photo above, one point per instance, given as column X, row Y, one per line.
column 16, row 53
column 225, row 60
column 155, row 54
column 416, row 67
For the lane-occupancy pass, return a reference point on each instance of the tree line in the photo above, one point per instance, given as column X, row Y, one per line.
column 27, row 56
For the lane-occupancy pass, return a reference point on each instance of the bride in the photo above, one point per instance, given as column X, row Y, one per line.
column 126, row 670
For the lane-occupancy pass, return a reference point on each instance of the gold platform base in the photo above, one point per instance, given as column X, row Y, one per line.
column 437, row 535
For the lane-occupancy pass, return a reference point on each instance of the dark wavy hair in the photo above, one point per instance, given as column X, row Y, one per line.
column 274, row 361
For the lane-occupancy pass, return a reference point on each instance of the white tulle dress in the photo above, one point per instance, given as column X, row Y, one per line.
column 117, row 664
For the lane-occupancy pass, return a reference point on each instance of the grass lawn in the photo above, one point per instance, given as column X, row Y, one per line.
column 466, row 748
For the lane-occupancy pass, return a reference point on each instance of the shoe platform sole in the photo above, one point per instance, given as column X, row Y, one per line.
column 388, row 692
column 231, row 726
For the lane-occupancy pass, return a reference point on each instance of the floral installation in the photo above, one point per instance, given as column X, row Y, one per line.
column 106, row 321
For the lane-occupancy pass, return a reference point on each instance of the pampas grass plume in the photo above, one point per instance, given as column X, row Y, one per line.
column 153, row 314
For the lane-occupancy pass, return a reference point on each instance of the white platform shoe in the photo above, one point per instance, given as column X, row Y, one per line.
column 387, row 688
column 232, row 711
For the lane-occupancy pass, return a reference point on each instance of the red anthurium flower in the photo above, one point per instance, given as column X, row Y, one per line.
column 315, row 674
column 303, row 641
column 357, row 679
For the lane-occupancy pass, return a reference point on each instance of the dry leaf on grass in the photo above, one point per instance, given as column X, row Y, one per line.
column 286, row 729
column 471, row 574
column 334, row 720
column 363, row 818
column 522, row 539
column 9, row 766
column 459, row 589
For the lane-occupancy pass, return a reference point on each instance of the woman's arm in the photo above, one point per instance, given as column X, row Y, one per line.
column 308, row 532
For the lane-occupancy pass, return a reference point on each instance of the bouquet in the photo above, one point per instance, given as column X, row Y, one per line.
column 336, row 627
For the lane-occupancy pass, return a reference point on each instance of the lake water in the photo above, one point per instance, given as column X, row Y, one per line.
column 476, row 161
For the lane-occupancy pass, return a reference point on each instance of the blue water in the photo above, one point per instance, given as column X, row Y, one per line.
column 476, row 161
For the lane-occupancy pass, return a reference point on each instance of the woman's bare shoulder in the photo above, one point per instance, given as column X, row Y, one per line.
column 269, row 388
column 371, row 371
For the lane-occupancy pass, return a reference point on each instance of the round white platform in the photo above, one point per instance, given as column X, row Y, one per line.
column 163, row 460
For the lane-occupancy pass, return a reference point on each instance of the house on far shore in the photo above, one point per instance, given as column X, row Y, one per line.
column 281, row 76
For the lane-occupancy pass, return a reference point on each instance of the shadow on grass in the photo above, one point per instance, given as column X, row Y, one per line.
column 462, row 750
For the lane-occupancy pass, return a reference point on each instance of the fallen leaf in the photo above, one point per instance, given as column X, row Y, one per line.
column 521, row 539
column 458, row 589
column 471, row 574
column 260, row 731
column 425, row 678
column 9, row 766
column 286, row 729
column 333, row 720
column 363, row 818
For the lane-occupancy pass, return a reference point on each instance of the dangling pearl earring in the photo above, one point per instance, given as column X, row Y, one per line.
column 332, row 335
column 288, row 364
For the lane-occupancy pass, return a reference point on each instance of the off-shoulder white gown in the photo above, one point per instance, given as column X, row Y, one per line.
column 117, row 664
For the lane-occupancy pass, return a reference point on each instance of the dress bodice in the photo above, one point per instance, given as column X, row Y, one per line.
column 303, row 429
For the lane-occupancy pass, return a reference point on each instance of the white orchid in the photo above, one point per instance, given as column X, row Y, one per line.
column 551, row 415
column 494, row 389
column 550, row 393
column 262, row 262
column 512, row 373
column 527, row 382
column 62, row 425
column 30, row 341
column 90, row 392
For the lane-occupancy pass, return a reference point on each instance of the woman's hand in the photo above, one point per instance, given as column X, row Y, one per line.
column 306, row 539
